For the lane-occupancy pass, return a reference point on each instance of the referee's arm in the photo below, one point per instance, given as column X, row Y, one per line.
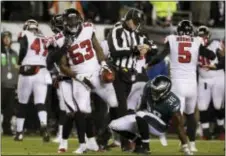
column 118, row 45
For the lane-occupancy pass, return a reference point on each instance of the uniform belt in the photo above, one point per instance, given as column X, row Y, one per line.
column 64, row 78
column 35, row 66
column 124, row 69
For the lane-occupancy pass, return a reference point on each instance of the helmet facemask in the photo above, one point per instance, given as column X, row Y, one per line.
column 160, row 89
column 73, row 23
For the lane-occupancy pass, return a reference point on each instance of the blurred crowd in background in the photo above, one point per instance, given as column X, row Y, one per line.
column 108, row 12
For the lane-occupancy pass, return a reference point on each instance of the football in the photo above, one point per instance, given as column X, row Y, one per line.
column 107, row 76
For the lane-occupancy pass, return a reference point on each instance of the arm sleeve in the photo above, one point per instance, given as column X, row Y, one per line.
column 115, row 43
column 203, row 51
column 221, row 63
column 23, row 48
column 158, row 58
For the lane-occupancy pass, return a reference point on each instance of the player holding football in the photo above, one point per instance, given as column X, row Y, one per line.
column 87, row 65
column 211, row 85
column 158, row 106
column 184, row 50
column 33, row 78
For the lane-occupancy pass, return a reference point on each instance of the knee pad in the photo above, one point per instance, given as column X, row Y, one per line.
column 21, row 110
column 40, row 107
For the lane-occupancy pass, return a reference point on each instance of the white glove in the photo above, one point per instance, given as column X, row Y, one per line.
column 186, row 150
column 104, row 66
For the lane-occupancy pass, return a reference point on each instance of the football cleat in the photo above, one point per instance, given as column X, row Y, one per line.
column 91, row 144
column 82, row 149
column 57, row 139
column 193, row 147
column 63, row 146
column 19, row 136
column 141, row 150
column 45, row 134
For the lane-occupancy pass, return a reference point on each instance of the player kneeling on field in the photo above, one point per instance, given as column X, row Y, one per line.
column 158, row 106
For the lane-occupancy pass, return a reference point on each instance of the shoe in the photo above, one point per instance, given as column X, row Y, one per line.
column 82, row 149
column 141, row 150
column 45, row 134
column 193, row 147
column 57, row 139
column 91, row 144
column 19, row 136
column 63, row 146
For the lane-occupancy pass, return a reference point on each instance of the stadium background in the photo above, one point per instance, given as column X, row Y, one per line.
column 160, row 20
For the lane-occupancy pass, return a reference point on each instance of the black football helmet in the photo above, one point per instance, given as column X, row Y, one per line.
column 160, row 87
column 30, row 24
column 56, row 23
column 185, row 27
column 136, row 15
column 203, row 31
column 72, row 21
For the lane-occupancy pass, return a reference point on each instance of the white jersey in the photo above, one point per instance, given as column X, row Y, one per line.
column 140, row 64
column 184, row 52
column 81, row 55
column 213, row 46
column 36, row 49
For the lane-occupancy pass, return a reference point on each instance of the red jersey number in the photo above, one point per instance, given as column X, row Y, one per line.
column 203, row 61
column 184, row 55
column 78, row 57
column 36, row 46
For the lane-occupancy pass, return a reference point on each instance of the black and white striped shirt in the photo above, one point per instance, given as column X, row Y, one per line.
column 122, row 43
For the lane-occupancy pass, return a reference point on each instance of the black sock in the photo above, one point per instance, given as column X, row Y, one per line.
column 204, row 116
column 67, row 127
column 81, row 126
column 206, row 133
column 191, row 126
column 89, row 126
column 143, row 128
column 62, row 117
column 113, row 113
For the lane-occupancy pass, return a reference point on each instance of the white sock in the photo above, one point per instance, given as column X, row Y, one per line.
column 205, row 125
column 60, row 131
column 20, row 124
column 220, row 122
column 42, row 117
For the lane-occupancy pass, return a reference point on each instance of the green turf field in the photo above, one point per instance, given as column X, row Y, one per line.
column 35, row 146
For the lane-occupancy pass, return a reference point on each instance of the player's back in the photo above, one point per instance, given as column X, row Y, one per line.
column 184, row 52
column 214, row 46
column 36, row 50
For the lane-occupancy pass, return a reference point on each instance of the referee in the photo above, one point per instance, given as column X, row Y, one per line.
column 126, row 45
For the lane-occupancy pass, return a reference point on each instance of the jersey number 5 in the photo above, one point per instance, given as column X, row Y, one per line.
column 36, row 46
column 184, row 55
column 78, row 57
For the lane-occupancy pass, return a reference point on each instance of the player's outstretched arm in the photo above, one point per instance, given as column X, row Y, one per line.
column 203, row 51
column 159, row 57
